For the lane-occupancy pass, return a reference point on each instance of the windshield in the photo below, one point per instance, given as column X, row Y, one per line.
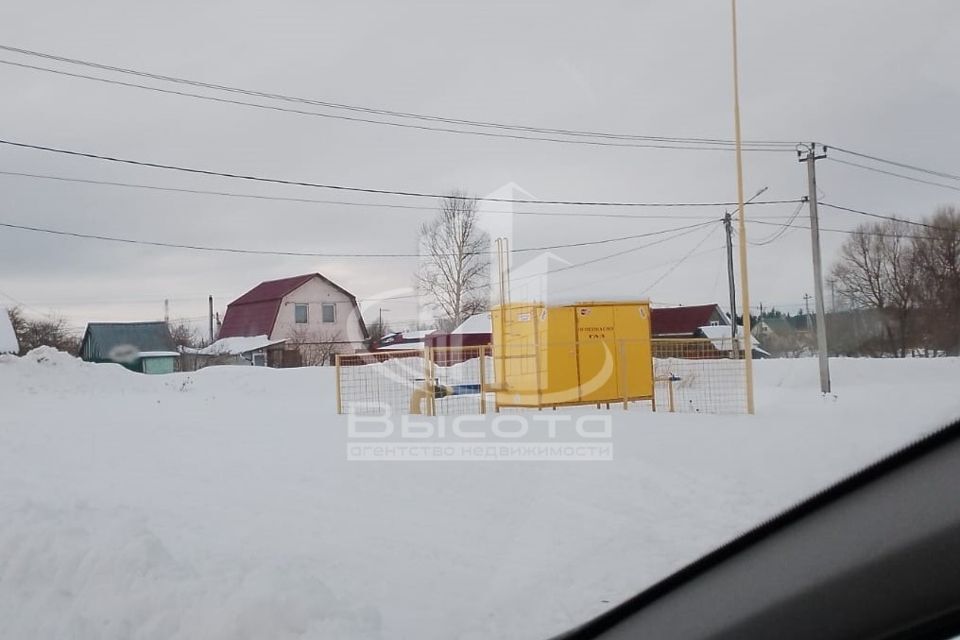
column 432, row 321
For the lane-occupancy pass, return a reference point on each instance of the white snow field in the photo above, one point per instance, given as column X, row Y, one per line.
column 220, row 504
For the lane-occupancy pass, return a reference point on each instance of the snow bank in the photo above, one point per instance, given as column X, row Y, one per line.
column 219, row 504
column 115, row 578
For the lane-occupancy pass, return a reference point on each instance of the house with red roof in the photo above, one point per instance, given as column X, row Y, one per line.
column 315, row 317
column 705, row 321
column 685, row 322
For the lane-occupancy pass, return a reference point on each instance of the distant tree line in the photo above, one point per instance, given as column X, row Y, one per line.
column 905, row 280
column 51, row 331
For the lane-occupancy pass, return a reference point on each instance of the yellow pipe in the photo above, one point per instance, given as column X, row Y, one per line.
column 742, row 225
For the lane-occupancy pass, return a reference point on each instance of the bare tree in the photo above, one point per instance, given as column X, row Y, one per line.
column 184, row 334
column 316, row 349
column 51, row 331
column 454, row 260
column 878, row 269
column 376, row 331
column 938, row 262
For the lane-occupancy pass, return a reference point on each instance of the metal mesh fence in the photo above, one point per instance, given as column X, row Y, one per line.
column 453, row 380
column 690, row 375
column 374, row 383
column 694, row 376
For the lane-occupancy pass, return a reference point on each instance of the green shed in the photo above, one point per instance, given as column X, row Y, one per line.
column 146, row 347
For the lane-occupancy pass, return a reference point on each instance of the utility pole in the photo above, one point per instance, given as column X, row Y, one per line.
column 210, row 300
column 731, row 284
column 809, row 154
column 728, row 227
column 742, row 227
column 806, row 305
column 166, row 310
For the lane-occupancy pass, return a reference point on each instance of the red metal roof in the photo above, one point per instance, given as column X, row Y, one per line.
column 273, row 289
column 255, row 312
column 681, row 320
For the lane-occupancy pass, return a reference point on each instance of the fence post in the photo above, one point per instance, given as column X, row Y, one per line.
column 429, row 382
column 483, row 379
column 623, row 373
column 670, row 392
column 339, row 397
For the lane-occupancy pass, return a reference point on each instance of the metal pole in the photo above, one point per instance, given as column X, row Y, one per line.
column 731, row 285
column 811, row 160
column 742, row 228
column 210, row 301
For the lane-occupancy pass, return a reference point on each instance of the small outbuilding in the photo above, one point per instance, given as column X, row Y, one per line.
column 145, row 347
column 475, row 331
column 259, row 351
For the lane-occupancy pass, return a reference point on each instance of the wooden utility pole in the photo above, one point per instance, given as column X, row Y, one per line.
column 808, row 154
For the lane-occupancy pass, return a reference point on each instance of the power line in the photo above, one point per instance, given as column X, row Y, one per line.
column 310, row 254
column 231, row 194
column 679, row 262
column 383, row 112
column 617, row 254
column 332, row 116
column 633, row 272
column 902, row 165
column 570, row 266
column 337, row 187
column 776, row 235
column 881, row 216
column 894, row 174
column 878, row 234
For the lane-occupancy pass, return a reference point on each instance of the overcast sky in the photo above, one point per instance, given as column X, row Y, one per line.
column 875, row 76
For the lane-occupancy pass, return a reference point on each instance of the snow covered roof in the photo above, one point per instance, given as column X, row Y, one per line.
column 159, row 354
column 719, row 335
column 477, row 323
column 402, row 346
column 236, row 346
column 417, row 335
column 8, row 338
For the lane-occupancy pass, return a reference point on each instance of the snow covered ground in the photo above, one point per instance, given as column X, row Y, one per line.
column 219, row 504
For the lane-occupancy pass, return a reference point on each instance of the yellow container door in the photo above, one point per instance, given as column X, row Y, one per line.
column 516, row 355
column 635, row 363
column 558, row 356
column 597, row 353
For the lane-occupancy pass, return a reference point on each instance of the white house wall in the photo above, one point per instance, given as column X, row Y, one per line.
column 346, row 328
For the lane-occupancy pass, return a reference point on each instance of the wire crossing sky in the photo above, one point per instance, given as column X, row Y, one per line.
column 573, row 125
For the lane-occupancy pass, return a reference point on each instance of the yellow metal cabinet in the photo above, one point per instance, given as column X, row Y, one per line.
column 590, row 352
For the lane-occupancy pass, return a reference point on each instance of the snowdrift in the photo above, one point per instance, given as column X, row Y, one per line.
column 219, row 504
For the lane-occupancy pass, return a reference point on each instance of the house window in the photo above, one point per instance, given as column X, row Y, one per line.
column 329, row 312
column 300, row 313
